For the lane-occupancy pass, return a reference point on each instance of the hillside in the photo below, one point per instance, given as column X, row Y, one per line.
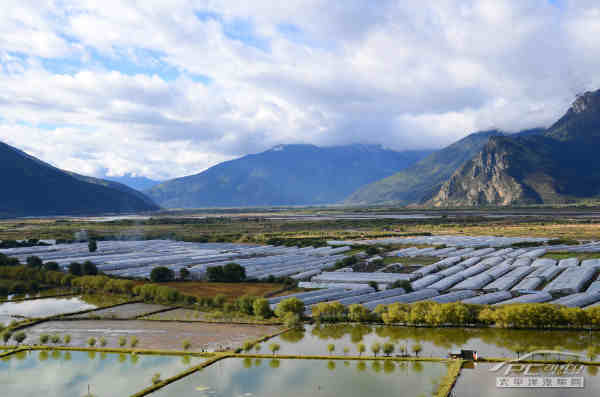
column 558, row 166
column 285, row 175
column 419, row 181
column 35, row 188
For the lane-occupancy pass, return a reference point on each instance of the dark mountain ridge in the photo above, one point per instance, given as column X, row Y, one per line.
column 35, row 188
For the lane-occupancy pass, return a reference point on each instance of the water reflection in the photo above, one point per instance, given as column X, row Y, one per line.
column 438, row 342
column 59, row 374
column 43, row 307
column 300, row 378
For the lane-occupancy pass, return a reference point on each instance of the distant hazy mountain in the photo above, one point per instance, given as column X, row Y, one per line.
column 285, row 175
column 35, row 188
column 135, row 182
column 559, row 166
column 419, row 181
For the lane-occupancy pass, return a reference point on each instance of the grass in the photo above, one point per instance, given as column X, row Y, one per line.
column 201, row 289
column 447, row 383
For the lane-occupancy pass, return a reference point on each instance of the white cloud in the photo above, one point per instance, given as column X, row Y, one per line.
column 116, row 87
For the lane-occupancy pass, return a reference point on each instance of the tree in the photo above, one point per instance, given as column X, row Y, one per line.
column 161, row 274
column 230, row 273
column 292, row 320
column 75, row 268
column 133, row 341
column 247, row 346
column 375, row 348
column 215, row 273
column 20, row 337
column 51, row 266
column 274, row 347
column 92, row 342
column 6, row 335
column 361, row 348
column 67, row 339
column 245, row 304
column 261, row 308
column 417, row 349
column 55, row 339
column 122, row 341
column 388, row 349
column 102, row 341
column 44, row 338
column 358, row 313
column 404, row 284
column 92, row 245
column 346, row 351
column 156, row 379
column 372, row 250
column 330, row 348
column 34, row 261
column 89, row 268
column 289, row 305
column 374, row 285
column 186, row 344
column 184, row 273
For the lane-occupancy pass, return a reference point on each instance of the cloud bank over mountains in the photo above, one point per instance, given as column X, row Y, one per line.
column 165, row 89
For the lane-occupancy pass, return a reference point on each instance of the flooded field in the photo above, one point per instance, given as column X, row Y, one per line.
column 437, row 342
column 128, row 311
column 154, row 335
column 481, row 381
column 300, row 378
column 60, row 374
column 42, row 308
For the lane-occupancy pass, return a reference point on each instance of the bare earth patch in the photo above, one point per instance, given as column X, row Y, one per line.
column 178, row 314
column 152, row 334
column 128, row 311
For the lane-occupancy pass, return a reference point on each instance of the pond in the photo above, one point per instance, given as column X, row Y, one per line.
column 42, row 307
column 300, row 378
column 436, row 342
column 481, row 381
column 64, row 373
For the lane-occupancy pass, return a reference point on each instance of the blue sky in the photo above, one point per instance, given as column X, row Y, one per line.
column 168, row 88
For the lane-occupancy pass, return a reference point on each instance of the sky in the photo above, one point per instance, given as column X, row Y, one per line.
column 169, row 88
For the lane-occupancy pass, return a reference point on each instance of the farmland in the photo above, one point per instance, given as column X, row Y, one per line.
column 415, row 287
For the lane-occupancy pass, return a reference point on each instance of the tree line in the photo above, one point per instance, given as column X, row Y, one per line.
column 428, row 313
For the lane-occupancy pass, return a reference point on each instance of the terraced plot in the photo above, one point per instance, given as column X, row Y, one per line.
column 153, row 334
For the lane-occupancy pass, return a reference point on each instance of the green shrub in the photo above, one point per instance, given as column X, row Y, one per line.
column 289, row 305
column 20, row 337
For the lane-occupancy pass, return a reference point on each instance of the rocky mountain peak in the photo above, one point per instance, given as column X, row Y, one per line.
column 589, row 100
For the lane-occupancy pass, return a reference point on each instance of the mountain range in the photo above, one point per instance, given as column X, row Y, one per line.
column 35, row 188
column 540, row 166
column 285, row 175
column 557, row 166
